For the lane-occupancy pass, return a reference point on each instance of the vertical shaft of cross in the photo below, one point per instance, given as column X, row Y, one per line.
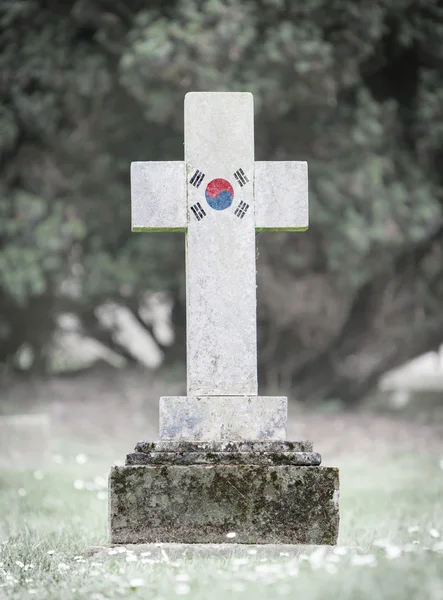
column 220, row 245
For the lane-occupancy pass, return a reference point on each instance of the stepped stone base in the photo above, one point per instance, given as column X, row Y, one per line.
column 223, row 418
column 250, row 495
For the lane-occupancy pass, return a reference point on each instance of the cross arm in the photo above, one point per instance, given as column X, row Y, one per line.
column 158, row 196
column 281, row 195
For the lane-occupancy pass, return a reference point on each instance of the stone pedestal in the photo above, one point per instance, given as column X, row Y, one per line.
column 268, row 492
column 223, row 418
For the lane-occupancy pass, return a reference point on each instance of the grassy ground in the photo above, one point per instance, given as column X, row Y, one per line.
column 391, row 507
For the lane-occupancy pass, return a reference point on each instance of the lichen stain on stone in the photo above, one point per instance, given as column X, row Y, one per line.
column 280, row 504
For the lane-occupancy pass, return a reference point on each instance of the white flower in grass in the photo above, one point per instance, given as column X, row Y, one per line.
column 382, row 543
column 392, row 552
column 240, row 561
column 145, row 554
column 292, row 569
column 121, row 550
column 22, row 492
column 164, row 555
column 131, row 558
column 333, row 558
column 434, row 533
column 317, row 557
column 50, row 552
column 63, row 567
column 268, row 568
column 79, row 484
column 113, row 551
column 409, row 548
column 100, row 482
column 231, row 535
column 19, row 564
column 136, row 583
column 413, row 528
column 331, row 569
column 39, row 475
column 364, row 560
column 81, row 459
column 182, row 589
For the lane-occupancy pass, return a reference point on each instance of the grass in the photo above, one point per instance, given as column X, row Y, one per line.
column 391, row 484
column 49, row 520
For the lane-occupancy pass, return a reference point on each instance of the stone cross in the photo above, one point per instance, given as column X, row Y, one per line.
column 223, row 464
column 220, row 197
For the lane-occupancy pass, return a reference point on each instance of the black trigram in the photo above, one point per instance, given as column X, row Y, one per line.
column 197, row 178
column 241, row 177
column 198, row 210
column 241, row 209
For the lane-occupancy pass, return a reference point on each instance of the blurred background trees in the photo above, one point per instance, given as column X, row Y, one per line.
column 354, row 88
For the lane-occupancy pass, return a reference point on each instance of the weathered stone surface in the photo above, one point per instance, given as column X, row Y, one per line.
column 220, row 273
column 208, row 458
column 220, row 248
column 239, row 446
column 202, row 504
column 158, row 192
column 223, row 418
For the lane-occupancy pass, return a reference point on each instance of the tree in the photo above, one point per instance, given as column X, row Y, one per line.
column 354, row 88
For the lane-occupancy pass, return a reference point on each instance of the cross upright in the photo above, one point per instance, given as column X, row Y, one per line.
column 220, row 197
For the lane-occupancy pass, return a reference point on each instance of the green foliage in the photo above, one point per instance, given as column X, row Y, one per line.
column 390, row 507
column 35, row 240
column 354, row 88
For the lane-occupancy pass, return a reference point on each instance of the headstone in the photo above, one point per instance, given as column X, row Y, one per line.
column 223, row 463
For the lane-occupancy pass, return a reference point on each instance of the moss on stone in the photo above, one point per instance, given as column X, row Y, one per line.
column 275, row 504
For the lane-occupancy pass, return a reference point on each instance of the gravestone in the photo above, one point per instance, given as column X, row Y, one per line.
column 222, row 464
